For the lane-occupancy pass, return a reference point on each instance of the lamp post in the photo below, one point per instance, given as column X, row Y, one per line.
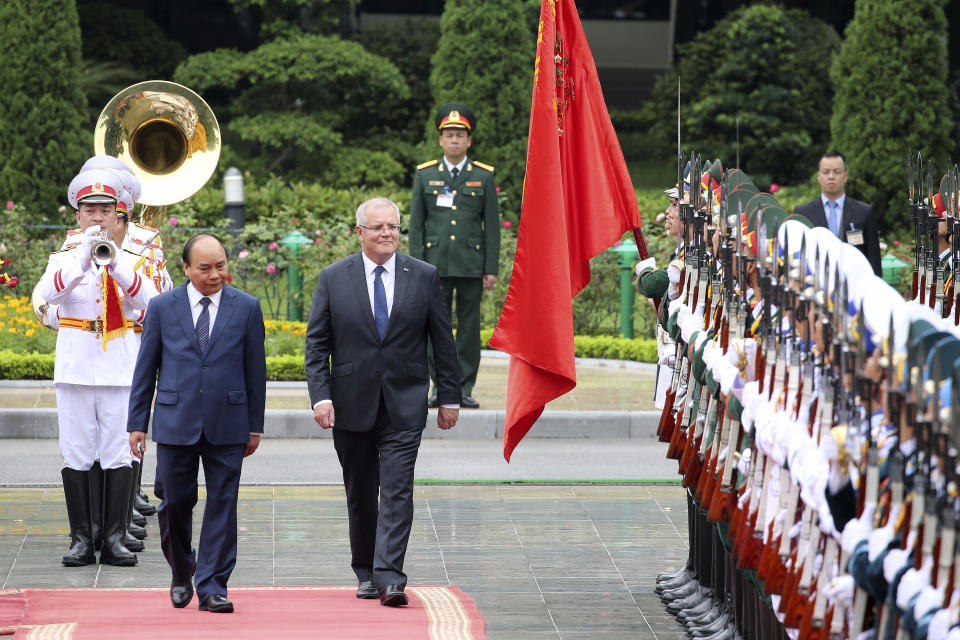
column 234, row 201
column 626, row 255
column 294, row 242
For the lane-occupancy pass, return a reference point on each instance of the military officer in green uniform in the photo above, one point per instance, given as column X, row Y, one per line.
column 454, row 225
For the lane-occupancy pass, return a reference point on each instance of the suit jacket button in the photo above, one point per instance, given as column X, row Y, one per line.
column 454, row 207
column 203, row 366
column 453, row 237
column 453, row 222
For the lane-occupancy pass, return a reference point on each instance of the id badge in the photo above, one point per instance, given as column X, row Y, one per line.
column 444, row 200
column 855, row 237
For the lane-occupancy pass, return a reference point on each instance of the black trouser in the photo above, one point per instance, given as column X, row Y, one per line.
column 177, row 468
column 379, row 463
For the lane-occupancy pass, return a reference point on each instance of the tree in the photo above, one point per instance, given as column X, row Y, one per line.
column 42, row 110
column 485, row 58
column 764, row 65
column 891, row 96
column 304, row 106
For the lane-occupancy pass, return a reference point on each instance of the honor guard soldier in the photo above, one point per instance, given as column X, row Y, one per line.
column 454, row 225
column 97, row 289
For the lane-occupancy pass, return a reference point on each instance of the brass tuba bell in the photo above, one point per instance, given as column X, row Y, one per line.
column 166, row 134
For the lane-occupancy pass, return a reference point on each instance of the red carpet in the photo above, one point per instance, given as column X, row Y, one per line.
column 287, row 613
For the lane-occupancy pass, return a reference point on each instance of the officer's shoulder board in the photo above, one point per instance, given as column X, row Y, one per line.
column 72, row 232
column 426, row 164
column 65, row 248
column 483, row 165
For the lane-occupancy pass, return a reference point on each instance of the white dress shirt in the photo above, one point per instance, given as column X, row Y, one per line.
column 194, row 297
column 459, row 166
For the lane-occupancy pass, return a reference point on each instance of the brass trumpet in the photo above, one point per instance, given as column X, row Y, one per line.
column 103, row 251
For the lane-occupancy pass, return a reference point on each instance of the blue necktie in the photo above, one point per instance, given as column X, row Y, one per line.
column 203, row 325
column 379, row 302
column 834, row 218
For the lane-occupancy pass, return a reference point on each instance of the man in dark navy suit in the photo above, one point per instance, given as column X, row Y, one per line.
column 850, row 220
column 202, row 350
column 366, row 364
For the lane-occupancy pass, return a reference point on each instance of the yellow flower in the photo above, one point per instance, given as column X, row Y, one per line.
column 30, row 333
column 12, row 330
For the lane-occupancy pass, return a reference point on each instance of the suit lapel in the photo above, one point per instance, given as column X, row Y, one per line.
column 185, row 316
column 228, row 304
column 359, row 281
column 400, row 281
column 845, row 218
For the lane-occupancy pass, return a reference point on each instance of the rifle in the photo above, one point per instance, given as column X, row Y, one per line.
column 914, row 212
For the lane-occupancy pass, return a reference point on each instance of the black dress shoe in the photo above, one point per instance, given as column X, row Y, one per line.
column 217, row 603
column 181, row 594
column 434, row 401
column 393, row 596
column 467, row 402
column 366, row 590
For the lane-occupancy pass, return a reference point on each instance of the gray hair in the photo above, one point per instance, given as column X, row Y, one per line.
column 375, row 203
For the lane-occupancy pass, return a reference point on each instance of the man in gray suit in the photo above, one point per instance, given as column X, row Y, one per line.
column 366, row 365
column 850, row 220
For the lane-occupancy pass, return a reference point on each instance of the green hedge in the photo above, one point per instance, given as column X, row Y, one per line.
column 30, row 366
column 39, row 366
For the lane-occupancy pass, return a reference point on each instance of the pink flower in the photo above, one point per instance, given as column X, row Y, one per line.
column 173, row 222
column 13, row 282
column 507, row 224
column 316, row 241
column 498, row 189
column 271, row 269
column 273, row 247
column 243, row 254
column 10, row 204
column 293, row 221
column 617, row 243
column 774, row 187
column 318, row 232
column 896, row 243
column 62, row 209
column 229, row 278
column 6, row 261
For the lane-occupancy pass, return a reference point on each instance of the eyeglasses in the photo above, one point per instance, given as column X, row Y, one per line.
column 392, row 228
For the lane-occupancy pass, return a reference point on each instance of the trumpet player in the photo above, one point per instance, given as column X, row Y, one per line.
column 95, row 284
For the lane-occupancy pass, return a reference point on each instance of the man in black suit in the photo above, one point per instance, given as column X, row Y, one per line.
column 366, row 358
column 203, row 351
column 850, row 220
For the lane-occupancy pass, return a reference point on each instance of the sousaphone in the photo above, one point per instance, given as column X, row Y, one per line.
column 170, row 139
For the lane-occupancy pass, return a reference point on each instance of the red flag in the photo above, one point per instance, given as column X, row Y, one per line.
column 577, row 201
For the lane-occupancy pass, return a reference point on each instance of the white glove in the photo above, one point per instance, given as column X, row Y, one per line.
column 911, row 583
column 89, row 238
column 858, row 529
column 897, row 559
column 643, row 265
column 673, row 272
column 928, row 600
column 939, row 625
column 840, row 589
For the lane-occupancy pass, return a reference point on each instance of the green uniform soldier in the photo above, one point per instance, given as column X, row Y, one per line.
column 454, row 225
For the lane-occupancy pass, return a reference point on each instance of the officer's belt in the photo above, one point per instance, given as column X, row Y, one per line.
column 95, row 326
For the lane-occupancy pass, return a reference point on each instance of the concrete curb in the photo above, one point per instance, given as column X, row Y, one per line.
column 473, row 425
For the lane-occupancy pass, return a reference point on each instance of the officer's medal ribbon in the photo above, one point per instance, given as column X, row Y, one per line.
column 114, row 322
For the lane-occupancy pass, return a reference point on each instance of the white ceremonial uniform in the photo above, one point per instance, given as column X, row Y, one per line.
column 93, row 383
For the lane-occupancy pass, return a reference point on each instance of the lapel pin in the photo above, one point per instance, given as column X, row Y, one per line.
column 406, row 268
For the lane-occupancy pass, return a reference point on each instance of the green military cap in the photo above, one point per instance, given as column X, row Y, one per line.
column 716, row 171
column 955, row 398
column 456, row 114
column 736, row 177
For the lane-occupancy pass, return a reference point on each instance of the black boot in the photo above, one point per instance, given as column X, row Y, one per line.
column 77, row 494
column 117, row 484
column 140, row 501
column 95, row 480
column 136, row 517
column 135, row 528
